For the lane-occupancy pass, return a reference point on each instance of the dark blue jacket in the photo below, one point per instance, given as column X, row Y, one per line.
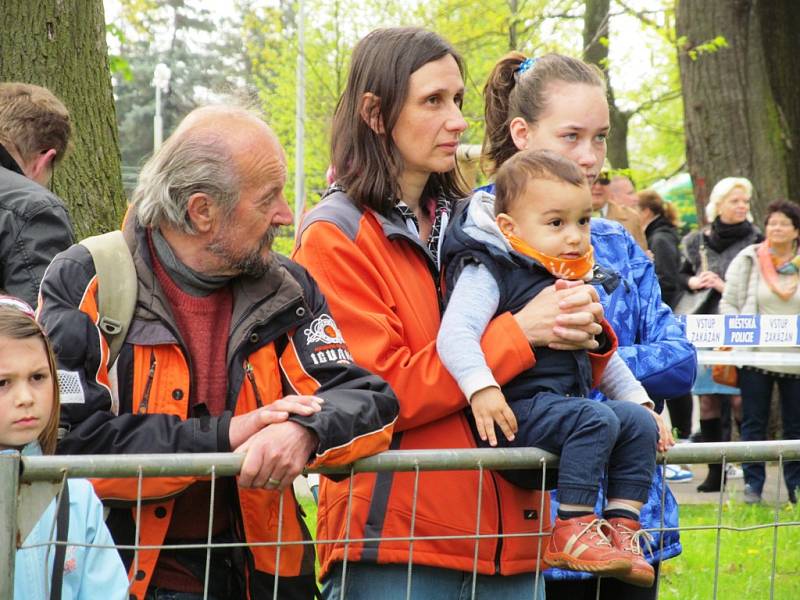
column 519, row 279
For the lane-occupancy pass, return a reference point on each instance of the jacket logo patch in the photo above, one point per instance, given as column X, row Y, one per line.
column 323, row 329
column 70, row 388
column 529, row 514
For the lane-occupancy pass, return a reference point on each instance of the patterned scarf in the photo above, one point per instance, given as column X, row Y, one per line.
column 439, row 210
column 573, row 268
column 771, row 267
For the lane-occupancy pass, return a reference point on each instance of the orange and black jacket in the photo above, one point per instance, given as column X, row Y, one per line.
column 282, row 341
column 381, row 285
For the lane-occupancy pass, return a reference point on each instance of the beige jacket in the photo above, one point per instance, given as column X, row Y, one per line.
column 740, row 297
column 630, row 219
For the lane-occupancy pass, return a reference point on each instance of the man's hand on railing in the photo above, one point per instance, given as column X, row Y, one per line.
column 245, row 426
column 276, row 455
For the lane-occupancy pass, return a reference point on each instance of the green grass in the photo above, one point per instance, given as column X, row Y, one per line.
column 745, row 560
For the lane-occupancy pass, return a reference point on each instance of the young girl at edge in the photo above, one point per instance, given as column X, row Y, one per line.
column 29, row 408
column 559, row 103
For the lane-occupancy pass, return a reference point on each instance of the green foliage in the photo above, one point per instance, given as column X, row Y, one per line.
column 204, row 55
column 708, row 47
column 331, row 30
column 118, row 65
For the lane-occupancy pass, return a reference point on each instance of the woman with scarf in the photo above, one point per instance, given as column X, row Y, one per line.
column 707, row 254
column 762, row 279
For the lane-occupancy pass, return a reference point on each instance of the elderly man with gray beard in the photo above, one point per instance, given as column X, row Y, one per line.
column 231, row 347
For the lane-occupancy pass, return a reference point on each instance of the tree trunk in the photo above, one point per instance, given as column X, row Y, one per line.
column 732, row 116
column 780, row 24
column 61, row 45
column 595, row 51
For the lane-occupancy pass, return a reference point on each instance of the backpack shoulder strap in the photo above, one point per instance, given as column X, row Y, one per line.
column 117, row 287
column 62, row 535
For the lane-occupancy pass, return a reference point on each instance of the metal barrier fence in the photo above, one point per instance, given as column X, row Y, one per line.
column 31, row 482
column 28, row 484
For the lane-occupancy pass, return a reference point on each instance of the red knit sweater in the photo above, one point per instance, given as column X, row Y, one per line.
column 203, row 323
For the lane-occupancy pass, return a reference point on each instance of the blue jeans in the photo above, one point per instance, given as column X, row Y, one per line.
column 591, row 436
column 366, row 581
column 756, row 396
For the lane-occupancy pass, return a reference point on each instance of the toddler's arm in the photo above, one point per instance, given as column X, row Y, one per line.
column 472, row 305
column 619, row 383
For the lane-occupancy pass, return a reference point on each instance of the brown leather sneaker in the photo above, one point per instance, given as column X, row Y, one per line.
column 628, row 537
column 585, row 544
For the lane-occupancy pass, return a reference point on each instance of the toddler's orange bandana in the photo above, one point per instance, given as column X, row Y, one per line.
column 572, row 268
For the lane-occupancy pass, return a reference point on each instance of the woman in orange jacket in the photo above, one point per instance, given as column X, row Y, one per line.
column 372, row 245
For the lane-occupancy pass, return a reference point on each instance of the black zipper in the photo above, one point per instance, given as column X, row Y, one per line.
column 499, row 549
column 149, row 385
column 251, row 376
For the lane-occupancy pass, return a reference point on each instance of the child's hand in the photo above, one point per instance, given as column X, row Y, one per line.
column 489, row 406
column 665, row 439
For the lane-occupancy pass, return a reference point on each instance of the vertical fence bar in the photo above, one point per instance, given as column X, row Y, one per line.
column 775, row 530
column 413, row 526
column 9, row 476
column 347, row 533
column 209, row 537
column 278, row 548
column 543, row 494
column 719, row 526
column 477, row 531
column 137, row 532
column 663, row 521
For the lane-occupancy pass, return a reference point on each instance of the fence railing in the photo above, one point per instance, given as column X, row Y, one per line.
column 32, row 481
column 27, row 484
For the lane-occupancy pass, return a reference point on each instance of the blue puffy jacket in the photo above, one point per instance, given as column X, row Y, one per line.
column 654, row 345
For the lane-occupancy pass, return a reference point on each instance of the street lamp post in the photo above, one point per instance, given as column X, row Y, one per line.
column 161, row 76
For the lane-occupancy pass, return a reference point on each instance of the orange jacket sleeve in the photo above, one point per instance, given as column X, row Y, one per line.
column 599, row 361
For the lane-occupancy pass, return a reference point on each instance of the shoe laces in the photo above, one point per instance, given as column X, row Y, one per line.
column 594, row 529
column 632, row 540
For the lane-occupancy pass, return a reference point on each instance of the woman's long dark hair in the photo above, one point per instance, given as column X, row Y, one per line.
column 368, row 164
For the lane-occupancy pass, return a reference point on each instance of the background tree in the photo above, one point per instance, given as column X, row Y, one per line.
column 645, row 108
column 204, row 53
column 61, row 46
column 740, row 75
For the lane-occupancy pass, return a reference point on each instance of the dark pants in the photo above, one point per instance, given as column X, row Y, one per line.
column 591, row 436
column 610, row 589
column 756, row 390
column 680, row 414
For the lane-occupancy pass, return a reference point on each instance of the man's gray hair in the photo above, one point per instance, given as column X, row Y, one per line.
column 185, row 165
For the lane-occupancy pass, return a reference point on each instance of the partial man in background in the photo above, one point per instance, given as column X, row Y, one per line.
column 615, row 199
column 34, row 224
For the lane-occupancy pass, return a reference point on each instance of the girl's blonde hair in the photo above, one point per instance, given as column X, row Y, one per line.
column 16, row 325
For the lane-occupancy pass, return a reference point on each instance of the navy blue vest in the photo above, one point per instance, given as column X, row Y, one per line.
column 519, row 278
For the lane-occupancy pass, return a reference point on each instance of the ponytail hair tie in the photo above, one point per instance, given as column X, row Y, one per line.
column 526, row 65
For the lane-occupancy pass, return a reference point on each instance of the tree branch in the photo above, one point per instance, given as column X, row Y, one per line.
column 665, row 97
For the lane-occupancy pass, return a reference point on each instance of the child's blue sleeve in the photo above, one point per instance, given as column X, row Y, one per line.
column 103, row 574
column 472, row 305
